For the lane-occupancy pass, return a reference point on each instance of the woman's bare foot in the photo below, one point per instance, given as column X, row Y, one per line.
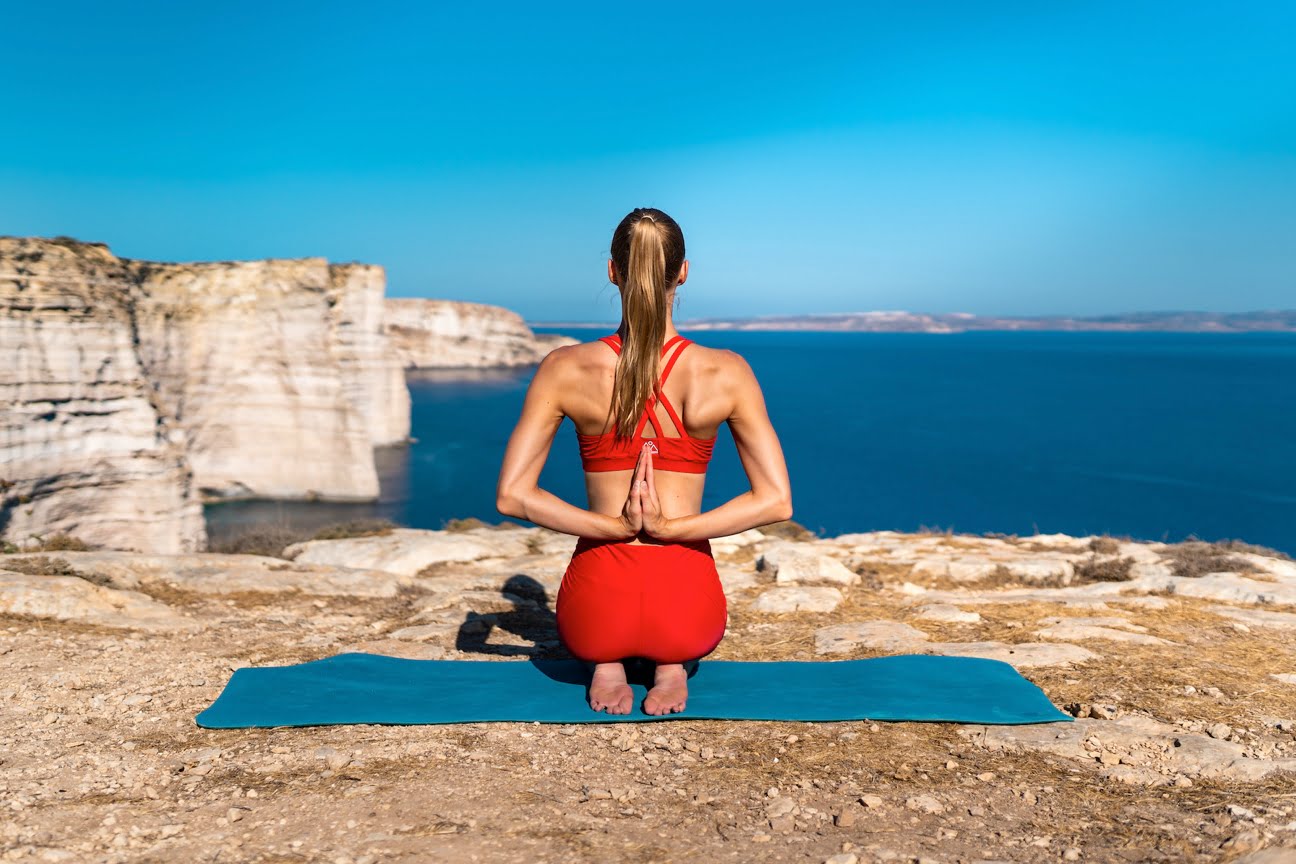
column 609, row 691
column 669, row 691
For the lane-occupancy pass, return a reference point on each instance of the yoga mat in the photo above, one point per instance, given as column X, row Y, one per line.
column 373, row 688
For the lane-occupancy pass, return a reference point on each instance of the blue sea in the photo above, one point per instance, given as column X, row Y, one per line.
column 1156, row 436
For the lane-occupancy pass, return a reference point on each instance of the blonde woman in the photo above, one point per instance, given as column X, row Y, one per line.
column 647, row 404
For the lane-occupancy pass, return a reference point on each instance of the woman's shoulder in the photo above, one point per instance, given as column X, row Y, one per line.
column 721, row 361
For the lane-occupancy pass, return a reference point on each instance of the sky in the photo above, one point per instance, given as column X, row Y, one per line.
column 996, row 158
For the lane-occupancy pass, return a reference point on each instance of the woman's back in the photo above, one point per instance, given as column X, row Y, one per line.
column 694, row 390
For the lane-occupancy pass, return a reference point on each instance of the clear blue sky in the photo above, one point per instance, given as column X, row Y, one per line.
column 992, row 158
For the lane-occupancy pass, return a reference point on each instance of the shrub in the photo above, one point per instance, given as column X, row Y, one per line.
column 1195, row 558
column 787, row 530
column 1106, row 569
column 268, row 540
column 355, row 528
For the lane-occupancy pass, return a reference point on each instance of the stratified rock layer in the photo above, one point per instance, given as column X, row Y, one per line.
column 133, row 389
column 433, row 334
column 86, row 446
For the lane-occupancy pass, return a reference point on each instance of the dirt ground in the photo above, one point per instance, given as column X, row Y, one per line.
column 102, row 761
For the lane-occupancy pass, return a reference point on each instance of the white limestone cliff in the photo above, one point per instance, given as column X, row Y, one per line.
column 432, row 334
column 132, row 390
column 85, row 445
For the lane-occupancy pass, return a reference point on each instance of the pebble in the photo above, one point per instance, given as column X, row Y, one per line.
column 1072, row 854
column 1222, row 731
column 924, row 804
column 843, row 858
column 845, row 819
column 873, row 802
column 335, row 760
column 780, row 807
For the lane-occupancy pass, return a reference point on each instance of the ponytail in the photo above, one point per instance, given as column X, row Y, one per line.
column 652, row 252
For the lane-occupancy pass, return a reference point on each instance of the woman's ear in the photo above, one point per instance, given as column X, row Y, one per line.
column 683, row 274
column 611, row 272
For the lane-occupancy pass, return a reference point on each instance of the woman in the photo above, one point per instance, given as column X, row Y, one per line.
column 642, row 582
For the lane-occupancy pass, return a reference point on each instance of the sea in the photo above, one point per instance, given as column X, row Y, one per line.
column 1154, row 436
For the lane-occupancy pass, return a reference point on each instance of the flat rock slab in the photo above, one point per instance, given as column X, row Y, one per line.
column 1156, row 752
column 210, row 573
column 881, row 635
column 1108, row 628
column 1022, row 655
column 1258, row 617
column 406, row 551
column 946, row 613
column 798, row 599
column 791, row 564
column 69, row 598
column 1234, row 588
column 895, row 636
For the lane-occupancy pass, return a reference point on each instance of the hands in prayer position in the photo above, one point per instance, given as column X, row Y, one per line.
column 642, row 510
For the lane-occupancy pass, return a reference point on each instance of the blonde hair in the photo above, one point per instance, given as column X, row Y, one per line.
column 647, row 253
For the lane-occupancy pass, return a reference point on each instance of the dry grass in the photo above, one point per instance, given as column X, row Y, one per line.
column 787, row 530
column 1104, row 545
column 1106, row 569
column 272, row 538
column 41, row 565
column 1195, row 558
column 355, row 528
column 60, row 542
column 472, row 523
column 268, row 540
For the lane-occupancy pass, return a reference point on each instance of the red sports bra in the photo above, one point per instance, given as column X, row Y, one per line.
column 689, row 455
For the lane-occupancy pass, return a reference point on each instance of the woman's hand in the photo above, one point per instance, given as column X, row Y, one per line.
column 654, row 522
column 632, row 510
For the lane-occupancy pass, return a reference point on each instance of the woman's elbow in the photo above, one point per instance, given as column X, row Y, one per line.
column 781, row 507
column 509, row 503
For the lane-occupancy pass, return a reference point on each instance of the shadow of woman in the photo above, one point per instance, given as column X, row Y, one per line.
column 530, row 619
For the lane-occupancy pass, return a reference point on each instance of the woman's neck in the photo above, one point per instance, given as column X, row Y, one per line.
column 623, row 329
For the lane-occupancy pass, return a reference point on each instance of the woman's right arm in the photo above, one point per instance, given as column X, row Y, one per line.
column 517, row 492
column 770, row 497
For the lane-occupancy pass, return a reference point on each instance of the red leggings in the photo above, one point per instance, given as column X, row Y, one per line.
column 660, row 602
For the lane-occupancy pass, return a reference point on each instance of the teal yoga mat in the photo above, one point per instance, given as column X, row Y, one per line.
column 373, row 688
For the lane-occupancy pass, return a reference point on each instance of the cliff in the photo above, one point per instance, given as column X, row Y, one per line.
column 143, row 386
column 86, row 444
column 1176, row 662
column 428, row 334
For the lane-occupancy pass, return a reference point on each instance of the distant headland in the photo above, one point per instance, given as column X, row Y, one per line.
column 1281, row 320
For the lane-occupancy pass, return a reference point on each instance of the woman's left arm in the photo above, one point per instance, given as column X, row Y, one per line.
column 518, row 493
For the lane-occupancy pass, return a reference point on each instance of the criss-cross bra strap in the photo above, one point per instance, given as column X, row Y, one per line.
column 661, row 393
column 614, row 342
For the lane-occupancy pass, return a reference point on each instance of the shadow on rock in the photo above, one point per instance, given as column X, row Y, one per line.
column 530, row 619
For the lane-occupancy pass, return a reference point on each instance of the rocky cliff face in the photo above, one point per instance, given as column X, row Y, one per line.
column 145, row 386
column 429, row 334
column 247, row 358
column 86, row 445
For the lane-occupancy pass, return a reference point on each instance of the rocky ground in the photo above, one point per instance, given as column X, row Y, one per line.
column 1178, row 660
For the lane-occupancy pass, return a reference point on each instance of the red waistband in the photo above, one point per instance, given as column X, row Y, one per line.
column 584, row 544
